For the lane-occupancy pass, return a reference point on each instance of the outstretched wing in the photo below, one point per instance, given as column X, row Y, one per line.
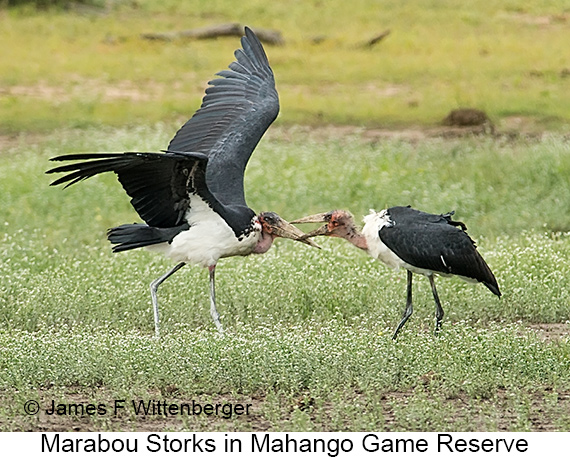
column 207, row 155
column 235, row 113
column 159, row 184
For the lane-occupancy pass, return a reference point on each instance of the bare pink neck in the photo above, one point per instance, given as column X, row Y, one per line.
column 264, row 243
column 354, row 236
column 358, row 240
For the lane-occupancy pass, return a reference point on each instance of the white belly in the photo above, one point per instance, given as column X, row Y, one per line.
column 209, row 238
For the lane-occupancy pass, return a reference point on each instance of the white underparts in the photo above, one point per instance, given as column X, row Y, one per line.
column 373, row 222
column 209, row 238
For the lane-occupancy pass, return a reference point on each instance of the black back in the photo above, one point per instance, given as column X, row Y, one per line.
column 435, row 242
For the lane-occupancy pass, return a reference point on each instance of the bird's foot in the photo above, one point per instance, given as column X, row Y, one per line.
column 216, row 318
column 437, row 329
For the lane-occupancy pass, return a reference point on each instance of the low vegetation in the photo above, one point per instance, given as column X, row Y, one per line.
column 308, row 344
column 308, row 341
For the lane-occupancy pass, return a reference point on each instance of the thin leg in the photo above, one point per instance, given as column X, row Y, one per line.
column 438, row 309
column 409, row 308
column 213, row 311
column 153, row 288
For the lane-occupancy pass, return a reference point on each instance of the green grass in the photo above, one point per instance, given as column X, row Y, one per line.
column 335, row 364
column 308, row 331
column 77, row 69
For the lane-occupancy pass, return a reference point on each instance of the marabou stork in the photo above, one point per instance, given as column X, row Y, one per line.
column 191, row 196
column 424, row 243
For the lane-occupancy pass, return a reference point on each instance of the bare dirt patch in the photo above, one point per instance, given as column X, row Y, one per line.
column 9, row 141
column 543, row 411
column 379, row 91
column 87, row 89
column 538, row 20
column 551, row 332
column 518, row 128
column 413, row 134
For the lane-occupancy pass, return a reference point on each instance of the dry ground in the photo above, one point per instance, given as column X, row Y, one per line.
column 540, row 410
column 543, row 413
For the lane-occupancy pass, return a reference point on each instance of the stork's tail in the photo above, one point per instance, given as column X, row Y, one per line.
column 133, row 236
column 493, row 286
column 487, row 277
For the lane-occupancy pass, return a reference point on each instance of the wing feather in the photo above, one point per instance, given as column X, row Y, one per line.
column 209, row 153
column 158, row 184
column 236, row 111
column 437, row 243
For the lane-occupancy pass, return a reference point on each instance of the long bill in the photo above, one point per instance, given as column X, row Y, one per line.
column 315, row 219
column 285, row 230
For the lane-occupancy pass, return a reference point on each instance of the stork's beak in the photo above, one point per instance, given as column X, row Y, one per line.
column 285, row 230
column 315, row 218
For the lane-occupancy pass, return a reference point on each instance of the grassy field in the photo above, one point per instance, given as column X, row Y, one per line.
column 91, row 66
column 308, row 341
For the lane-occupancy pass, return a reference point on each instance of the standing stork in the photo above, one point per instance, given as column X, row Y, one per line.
column 424, row 243
column 192, row 196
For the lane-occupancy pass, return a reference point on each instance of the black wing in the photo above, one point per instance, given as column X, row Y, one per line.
column 158, row 184
column 208, row 155
column 435, row 242
column 235, row 113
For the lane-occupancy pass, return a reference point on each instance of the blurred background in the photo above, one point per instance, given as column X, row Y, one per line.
column 374, row 63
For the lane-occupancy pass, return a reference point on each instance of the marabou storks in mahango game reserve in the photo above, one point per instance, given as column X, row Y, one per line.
column 424, row 243
column 191, row 196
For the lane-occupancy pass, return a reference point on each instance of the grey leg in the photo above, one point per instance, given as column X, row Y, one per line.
column 438, row 309
column 153, row 288
column 409, row 308
column 213, row 311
